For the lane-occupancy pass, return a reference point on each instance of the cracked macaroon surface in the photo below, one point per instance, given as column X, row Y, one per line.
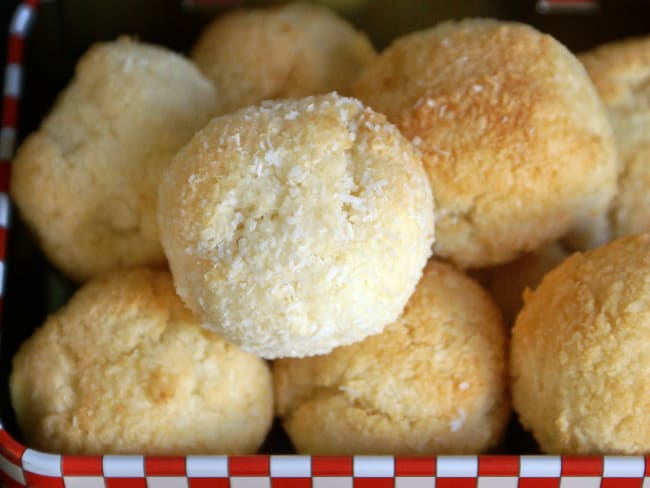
column 512, row 133
column 621, row 73
column 433, row 382
column 290, row 51
column 86, row 182
column 297, row 226
column 579, row 355
column 125, row 368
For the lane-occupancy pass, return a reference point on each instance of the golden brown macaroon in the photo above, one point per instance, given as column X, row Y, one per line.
column 86, row 182
column 290, row 51
column 507, row 282
column 579, row 358
column 620, row 71
column 297, row 226
column 513, row 136
column 125, row 368
column 434, row 382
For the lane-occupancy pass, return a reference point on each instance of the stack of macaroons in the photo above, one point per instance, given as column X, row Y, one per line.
column 298, row 226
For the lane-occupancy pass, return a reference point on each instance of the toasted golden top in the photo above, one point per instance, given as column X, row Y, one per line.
column 579, row 353
column 513, row 136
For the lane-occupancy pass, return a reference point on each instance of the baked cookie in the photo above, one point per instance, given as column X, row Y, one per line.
column 125, row 368
column 619, row 71
column 579, row 360
column 86, row 182
column 290, row 51
column 513, row 135
column 297, row 226
column 433, row 382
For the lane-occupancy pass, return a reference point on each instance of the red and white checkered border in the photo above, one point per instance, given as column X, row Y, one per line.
column 20, row 466
column 38, row 469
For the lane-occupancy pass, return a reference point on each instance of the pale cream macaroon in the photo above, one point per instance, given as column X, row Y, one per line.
column 579, row 358
column 290, row 51
column 619, row 70
column 507, row 282
column 433, row 382
column 513, row 135
column 124, row 367
column 297, row 226
column 86, row 182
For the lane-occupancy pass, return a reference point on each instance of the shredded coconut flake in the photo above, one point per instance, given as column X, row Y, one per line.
column 273, row 157
column 356, row 202
column 456, row 424
column 349, row 390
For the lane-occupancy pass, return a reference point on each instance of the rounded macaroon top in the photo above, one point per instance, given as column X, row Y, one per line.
column 100, row 153
column 433, row 382
column 579, row 361
column 297, row 226
column 616, row 68
column 619, row 70
column 289, row 51
column 513, row 136
column 125, row 368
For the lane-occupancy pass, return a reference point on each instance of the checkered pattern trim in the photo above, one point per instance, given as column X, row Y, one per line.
column 11, row 452
column 20, row 467
column 49, row 471
column 18, row 31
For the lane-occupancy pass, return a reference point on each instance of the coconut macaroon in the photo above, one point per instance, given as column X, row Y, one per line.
column 433, row 382
column 297, row 226
column 290, row 51
column 124, row 367
column 507, row 282
column 618, row 71
column 579, row 358
column 86, row 182
column 513, row 136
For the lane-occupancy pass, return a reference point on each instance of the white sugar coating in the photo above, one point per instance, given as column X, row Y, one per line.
column 308, row 232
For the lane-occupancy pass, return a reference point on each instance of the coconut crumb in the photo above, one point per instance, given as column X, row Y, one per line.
column 456, row 424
